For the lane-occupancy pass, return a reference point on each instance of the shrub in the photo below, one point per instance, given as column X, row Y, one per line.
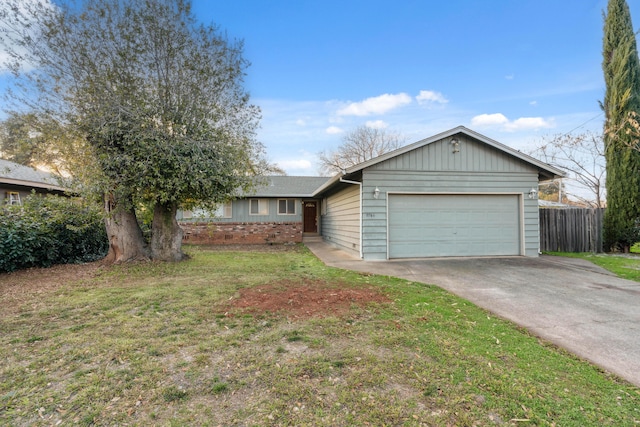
column 50, row 230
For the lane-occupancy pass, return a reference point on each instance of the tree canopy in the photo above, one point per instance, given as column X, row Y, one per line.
column 158, row 98
column 20, row 139
column 35, row 141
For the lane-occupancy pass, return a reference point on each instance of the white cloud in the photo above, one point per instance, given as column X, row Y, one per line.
column 509, row 77
column 301, row 122
column 376, row 124
column 333, row 130
column 521, row 124
column 429, row 96
column 484, row 120
column 296, row 165
column 534, row 103
column 375, row 105
column 529, row 123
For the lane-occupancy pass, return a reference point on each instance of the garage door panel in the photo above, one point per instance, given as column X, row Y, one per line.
column 453, row 225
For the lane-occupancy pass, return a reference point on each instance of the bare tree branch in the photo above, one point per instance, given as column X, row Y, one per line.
column 361, row 144
column 582, row 156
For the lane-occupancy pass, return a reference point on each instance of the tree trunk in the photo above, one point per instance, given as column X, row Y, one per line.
column 166, row 234
column 126, row 242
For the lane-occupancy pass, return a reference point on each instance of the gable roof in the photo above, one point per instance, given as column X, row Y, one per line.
column 287, row 186
column 545, row 170
column 17, row 174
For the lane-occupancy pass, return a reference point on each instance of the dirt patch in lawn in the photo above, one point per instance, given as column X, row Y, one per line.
column 294, row 299
column 304, row 300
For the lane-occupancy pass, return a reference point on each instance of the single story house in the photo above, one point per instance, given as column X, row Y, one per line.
column 457, row 193
column 18, row 181
column 279, row 210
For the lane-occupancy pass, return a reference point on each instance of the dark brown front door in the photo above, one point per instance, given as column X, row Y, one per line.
column 310, row 217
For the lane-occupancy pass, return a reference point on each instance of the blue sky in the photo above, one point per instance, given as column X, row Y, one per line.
column 513, row 70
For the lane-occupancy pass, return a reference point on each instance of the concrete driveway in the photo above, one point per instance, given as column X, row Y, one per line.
column 569, row 302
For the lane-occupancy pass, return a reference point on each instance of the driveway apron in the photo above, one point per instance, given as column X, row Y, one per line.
column 569, row 302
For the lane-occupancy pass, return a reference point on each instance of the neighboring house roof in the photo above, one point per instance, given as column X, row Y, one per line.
column 552, row 204
column 17, row 174
column 287, row 186
column 545, row 171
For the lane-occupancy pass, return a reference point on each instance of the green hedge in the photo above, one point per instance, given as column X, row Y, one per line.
column 50, row 230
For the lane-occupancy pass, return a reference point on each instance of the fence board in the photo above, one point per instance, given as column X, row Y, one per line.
column 571, row 230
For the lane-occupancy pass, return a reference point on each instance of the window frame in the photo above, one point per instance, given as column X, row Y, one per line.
column 263, row 207
column 13, row 198
column 288, row 203
column 224, row 210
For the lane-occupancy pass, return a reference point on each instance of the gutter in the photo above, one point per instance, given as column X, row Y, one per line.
column 32, row 184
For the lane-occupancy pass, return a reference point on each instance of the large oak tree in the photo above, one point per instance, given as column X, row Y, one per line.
column 157, row 97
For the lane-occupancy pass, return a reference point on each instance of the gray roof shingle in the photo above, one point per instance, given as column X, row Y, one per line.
column 14, row 172
column 287, row 186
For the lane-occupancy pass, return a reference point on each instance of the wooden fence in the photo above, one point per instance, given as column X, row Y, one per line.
column 571, row 230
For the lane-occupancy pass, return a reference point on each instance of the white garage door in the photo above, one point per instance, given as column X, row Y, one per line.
column 453, row 225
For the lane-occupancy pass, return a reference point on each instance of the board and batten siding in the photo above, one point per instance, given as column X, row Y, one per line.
column 436, row 169
column 473, row 156
column 341, row 219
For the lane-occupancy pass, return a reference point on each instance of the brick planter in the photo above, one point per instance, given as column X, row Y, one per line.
column 233, row 233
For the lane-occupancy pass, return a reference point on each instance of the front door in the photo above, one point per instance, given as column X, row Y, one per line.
column 310, row 217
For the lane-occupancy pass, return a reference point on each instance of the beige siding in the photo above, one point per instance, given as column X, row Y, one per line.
column 476, row 167
column 341, row 219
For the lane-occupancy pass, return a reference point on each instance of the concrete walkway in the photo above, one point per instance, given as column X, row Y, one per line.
column 569, row 302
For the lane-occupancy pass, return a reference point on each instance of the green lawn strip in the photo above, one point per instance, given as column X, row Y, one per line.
column 153, row 344
column 625, row 266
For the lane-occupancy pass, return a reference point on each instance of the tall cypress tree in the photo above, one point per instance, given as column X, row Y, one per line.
column 621, row 68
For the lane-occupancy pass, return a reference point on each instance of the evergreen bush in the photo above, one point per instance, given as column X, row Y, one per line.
column 50, row 230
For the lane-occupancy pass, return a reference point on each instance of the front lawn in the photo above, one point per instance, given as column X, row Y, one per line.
column 244, row 338
column 626, row 266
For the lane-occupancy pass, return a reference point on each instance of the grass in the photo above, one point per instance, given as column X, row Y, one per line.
column 154, row 344
column 627, row 267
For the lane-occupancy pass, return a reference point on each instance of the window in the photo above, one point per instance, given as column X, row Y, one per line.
column 13, row 198
column 258, row 207
column 287, row 207
column 223, row 211
column 200, row 214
